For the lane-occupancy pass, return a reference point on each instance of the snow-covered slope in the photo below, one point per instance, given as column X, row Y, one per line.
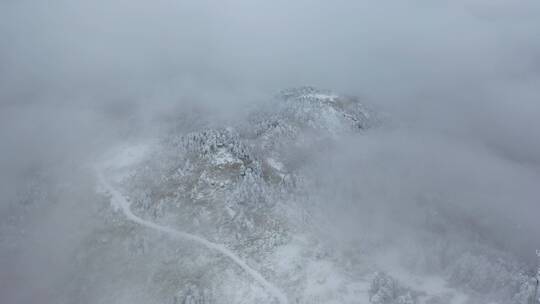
column 230, row 213
column 234, row 187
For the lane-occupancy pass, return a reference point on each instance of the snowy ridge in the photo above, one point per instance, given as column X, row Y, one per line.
column 306, row 111
column 119, row 201
column 244, row 191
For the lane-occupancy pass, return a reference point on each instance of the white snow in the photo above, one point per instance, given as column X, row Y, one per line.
column 324, row 283
column 275, row 164
column 430, row 284
column 223, row 157
column 321, row 96
column 130, row 155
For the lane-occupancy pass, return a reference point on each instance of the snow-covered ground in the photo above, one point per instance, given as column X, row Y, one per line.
column 430, row 286
column 243, row 194
column 118, row 165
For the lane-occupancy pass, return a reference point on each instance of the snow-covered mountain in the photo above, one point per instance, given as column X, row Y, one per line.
column 229, row 214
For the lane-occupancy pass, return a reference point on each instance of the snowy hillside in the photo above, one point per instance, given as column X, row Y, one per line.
column 238, row 213
column 269, row 152
column 236, row 196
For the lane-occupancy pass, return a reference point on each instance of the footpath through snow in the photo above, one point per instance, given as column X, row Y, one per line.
column 111, row 171
column 119, row 201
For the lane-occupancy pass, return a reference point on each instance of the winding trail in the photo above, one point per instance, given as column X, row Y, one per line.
column 118, row 200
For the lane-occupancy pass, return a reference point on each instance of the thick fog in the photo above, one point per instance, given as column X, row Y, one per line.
column 458, row 83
